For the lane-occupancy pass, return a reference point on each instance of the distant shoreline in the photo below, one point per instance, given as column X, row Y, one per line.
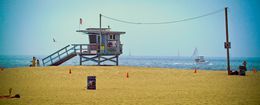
column 215, row 63
column 95, row 66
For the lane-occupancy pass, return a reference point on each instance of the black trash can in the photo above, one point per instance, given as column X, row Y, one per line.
column 91, row 82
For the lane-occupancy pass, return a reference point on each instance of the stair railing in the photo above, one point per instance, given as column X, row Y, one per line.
column 65, row 51
column 58, row 54
column 80, row 48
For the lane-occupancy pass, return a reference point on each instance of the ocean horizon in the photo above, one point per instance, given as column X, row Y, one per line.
column 214, row 63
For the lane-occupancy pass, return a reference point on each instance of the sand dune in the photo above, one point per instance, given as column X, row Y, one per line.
column 145, row 86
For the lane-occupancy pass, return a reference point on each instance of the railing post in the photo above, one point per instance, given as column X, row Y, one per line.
column 43, row 62
column 80, row 49
column 67, row 51
column 59, row 55
column 51, row 60
column 74, row 47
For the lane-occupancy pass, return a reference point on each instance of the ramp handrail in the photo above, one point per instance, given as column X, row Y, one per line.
column 76, row 49
column 57, row 54
column 80, row 48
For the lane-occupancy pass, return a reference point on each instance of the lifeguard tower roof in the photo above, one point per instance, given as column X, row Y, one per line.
column 104, row 31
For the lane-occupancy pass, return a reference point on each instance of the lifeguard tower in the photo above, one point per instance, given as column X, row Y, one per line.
column 104, row 45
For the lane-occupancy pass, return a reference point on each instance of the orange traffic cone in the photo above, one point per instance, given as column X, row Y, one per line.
column 195, row 71
column 254, row 70
column 70, row 71
column 127, row 75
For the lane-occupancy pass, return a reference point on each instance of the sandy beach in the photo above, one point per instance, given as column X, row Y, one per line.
column 145, row 86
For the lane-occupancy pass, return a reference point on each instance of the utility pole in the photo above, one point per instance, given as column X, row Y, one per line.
column 227, row 43
column 99, row 53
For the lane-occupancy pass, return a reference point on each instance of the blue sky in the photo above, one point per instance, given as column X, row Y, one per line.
column 28, row 26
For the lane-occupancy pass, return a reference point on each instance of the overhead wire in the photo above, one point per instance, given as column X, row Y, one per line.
column 166, row 22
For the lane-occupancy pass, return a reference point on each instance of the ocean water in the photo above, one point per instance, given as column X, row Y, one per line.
column 214, row 63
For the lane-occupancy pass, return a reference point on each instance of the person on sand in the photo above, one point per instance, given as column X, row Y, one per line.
column 38, row 62
column 2, row 69
column 7, row 96
column 10, row 95
column 10, row 91
column 244, row 64
column 243, row 69
column 33, row 62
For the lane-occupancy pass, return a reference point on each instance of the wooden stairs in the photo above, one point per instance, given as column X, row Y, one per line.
column 60, row 56
column 84, row 52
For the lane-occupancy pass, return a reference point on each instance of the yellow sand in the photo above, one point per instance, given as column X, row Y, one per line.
column 145, row 86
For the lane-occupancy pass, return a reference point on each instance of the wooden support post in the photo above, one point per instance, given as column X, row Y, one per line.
column 98, row 60
column 100, row 33
column 227, row 41
column 116, row 60
column 99, row 40
column 80, row 49
column 80, row 59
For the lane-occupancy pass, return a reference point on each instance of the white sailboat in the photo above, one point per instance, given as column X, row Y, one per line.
column 197, row 58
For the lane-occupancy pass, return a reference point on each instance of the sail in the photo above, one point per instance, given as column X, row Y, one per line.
column 195, row 53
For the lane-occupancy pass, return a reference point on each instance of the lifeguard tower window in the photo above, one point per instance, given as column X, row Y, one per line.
column 112, row 37
column 92, row 39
